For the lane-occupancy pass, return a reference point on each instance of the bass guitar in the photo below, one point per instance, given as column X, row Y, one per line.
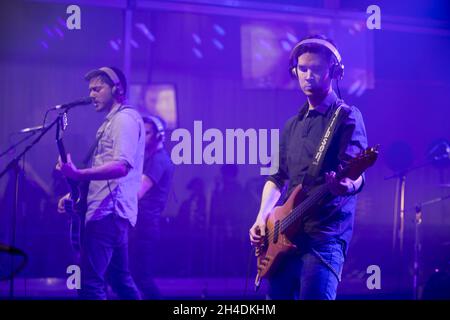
column 285, row 221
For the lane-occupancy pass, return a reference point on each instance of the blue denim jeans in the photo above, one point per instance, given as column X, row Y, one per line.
column 105, row 256
column 312, row 274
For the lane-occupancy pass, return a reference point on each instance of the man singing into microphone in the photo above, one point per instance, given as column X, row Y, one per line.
column 115, row 177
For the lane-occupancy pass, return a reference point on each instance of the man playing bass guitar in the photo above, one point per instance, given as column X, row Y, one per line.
column 313, row 269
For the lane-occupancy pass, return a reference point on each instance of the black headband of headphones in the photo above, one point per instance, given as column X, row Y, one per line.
column 160, row 128
column 337, row 68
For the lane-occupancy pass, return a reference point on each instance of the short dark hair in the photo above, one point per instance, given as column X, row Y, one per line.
column 312, row 48
column 106, row 79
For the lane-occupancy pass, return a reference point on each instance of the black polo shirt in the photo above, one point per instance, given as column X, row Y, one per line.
column 299, row 140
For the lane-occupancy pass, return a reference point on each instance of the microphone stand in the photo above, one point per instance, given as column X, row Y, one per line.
column 14, row 165
column 399, row 206
column 399, row 214
column 12, row 147
column 417, row 241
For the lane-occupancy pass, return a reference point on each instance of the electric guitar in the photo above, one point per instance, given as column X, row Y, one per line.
column 284, row 221
column 76, row 205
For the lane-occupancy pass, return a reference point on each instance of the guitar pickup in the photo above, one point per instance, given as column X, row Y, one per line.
column 276, row 231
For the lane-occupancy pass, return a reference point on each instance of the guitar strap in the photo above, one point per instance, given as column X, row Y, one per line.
column 317, row 161
column 88, row 158
column 91, row 151
column 322, row 148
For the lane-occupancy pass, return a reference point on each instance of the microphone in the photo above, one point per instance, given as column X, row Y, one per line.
column 31, row 129
column 440, row 151
column 72, row 104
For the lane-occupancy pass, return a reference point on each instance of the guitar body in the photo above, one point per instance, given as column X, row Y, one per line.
column 76, row 207
column 278, row 244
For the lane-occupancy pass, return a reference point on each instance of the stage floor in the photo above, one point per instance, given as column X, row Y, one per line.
column 191, row 289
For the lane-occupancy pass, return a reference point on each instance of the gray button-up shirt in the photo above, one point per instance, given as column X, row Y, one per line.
column 122, row 138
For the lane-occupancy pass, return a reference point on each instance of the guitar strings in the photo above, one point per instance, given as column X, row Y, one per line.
column 297, row 211
column 304, row 206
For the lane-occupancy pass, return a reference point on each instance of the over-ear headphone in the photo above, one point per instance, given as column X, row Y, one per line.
column 336, row 70
column 117, row 89
column 160, row 129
